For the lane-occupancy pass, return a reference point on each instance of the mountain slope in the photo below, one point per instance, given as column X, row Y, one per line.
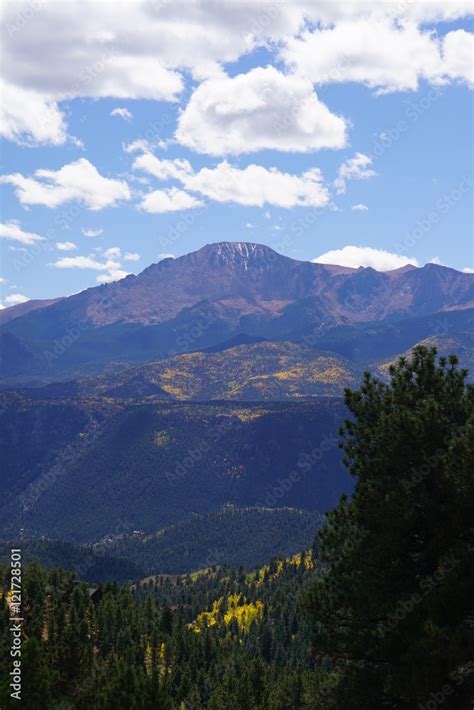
column 88, row 468
column 209, row 296
column 242, row 369
column 231, row 536
column 21, row 309
column 84, row 560
column 248, row 372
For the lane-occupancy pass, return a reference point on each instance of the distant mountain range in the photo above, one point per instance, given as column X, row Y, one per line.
column 243, row 306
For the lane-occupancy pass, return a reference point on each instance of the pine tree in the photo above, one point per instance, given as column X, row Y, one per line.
column 37, row 683
column 392, row 607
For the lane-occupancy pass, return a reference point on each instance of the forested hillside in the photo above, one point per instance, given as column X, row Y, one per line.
column 237, row 537
column 233, row 536
column 97, row 468
column 222, row 639
column 86, row 562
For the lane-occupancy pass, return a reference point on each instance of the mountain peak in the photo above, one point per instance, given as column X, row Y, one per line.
column 240, row 255
column 243, row 248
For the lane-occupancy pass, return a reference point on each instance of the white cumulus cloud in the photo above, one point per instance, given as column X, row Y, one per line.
column 377, row 50
column 12, row 231
column 110, row 269
column 458, row 55
column 123, row 113
column 354, row 257
column 15, row 298
column 259, row 186
column 30, row 117
column 263, row 109
column 161, row 168
column 54, row 52
column 79, row 181
column 66, row 246
column 171, row 200
column 250, row 186
column 112, row 275
column 92, row 232
column 359, row 208
column 113, row 253
column 79, row 262
column 356, row 168
column 131, row 256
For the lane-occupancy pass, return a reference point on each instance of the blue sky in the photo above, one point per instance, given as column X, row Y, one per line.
column 345, row 138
